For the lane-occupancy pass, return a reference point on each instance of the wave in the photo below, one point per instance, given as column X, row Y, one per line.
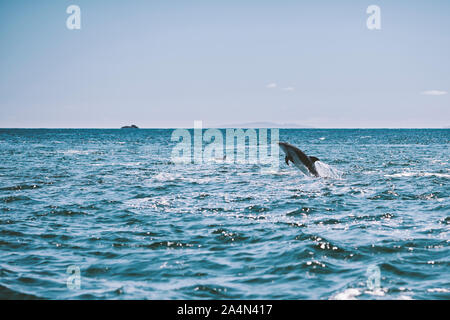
column 177, row 177
column 418, row 174
column 75, row 152
column 20, row 187
column 14, row 198
column 347, row 294
column 352, row 293
column 9, row 294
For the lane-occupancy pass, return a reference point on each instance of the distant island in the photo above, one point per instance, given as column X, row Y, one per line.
column 133, row 126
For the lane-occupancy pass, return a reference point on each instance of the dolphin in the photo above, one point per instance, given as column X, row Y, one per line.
column 299, row 159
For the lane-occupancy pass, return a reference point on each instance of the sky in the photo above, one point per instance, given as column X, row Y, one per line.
column 167, row 63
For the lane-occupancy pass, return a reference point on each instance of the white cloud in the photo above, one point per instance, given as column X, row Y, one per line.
column 271, row 85
column 434, row 93
column 288, row 89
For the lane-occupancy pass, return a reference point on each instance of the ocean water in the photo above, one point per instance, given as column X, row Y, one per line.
column 112, row 205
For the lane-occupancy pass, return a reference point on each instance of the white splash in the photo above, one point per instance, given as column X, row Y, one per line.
column 166, row 176
column 72, row 152
column 328, row 171
column 439, row 290
column 417, row 174
column 348, row 294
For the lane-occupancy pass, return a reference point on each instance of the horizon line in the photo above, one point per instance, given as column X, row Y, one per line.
column 210, row 127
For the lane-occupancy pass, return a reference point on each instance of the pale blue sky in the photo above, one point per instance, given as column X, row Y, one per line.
column 168, row 63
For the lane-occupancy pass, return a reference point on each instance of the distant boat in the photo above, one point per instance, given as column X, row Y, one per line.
column 133, row 126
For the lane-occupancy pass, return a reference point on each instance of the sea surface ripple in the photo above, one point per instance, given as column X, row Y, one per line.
column 138, row 226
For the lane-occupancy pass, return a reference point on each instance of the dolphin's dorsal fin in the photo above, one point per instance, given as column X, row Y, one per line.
column 314, row 159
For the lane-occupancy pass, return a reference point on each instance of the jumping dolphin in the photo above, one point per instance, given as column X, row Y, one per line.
column 299, row 159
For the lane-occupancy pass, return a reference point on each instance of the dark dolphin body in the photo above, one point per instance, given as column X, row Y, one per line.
column 298, row 158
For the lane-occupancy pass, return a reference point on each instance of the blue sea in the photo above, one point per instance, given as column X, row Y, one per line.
column 106, row 214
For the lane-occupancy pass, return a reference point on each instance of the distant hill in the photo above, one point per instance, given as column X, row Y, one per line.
column 263, row 125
